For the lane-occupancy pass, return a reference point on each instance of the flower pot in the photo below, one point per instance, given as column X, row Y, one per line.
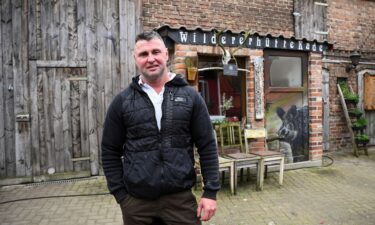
column 192, row 73
column 350, row 104
column 361, row 139
column 362, row 142
column 358, row 128
column 355, row 114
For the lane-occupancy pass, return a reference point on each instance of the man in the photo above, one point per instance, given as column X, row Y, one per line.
column 147, row 146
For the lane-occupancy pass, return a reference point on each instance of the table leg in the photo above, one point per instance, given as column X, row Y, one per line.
column 281, row 171
column 260, row 175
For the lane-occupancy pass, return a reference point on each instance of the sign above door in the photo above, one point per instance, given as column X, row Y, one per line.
column 230, row 39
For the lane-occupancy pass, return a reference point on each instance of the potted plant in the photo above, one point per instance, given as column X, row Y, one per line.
column 191, row 64
column 360, row 124
column 351, row 98
column 362, row 139
column 355, row 112
column 348, row 95
column 227, row 103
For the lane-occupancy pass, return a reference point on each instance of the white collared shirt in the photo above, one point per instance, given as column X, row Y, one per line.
column 156, row 99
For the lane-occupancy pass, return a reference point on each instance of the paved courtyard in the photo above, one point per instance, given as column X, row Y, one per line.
column 342, row 193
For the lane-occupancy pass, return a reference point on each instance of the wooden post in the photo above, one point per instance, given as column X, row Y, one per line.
column 9, row 119
column 21, row 87
column 34, row 114
column 92, row 88
column 2, row 106
column 326, row 104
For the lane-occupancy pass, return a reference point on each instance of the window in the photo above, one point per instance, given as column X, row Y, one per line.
column 285, row 71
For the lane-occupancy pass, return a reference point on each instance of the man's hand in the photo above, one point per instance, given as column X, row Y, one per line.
column 209, row 208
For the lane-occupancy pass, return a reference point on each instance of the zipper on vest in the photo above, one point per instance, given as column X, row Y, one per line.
column 171, row 96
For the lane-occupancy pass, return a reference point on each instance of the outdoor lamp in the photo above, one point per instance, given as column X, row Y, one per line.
column 354, row 57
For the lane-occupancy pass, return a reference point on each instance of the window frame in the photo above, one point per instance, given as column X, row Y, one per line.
column 267, row 75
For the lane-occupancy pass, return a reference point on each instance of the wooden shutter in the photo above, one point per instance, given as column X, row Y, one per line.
column 369, row 92
column 310, row 19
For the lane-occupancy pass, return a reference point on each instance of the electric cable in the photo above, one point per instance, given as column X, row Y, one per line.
column 330, row 160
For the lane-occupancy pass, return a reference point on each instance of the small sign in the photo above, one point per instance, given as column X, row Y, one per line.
column 230, row 69
column 254, row 41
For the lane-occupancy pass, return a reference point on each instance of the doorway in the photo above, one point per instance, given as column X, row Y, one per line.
column 286, row 101
column 218, row 89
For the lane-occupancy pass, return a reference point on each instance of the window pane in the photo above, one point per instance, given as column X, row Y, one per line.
column 285, row 71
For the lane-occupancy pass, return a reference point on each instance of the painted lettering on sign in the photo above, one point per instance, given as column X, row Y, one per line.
column 254, row 41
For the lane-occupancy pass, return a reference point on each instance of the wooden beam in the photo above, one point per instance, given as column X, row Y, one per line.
column 321, row 4
column 21, row 86
column 35, row 147
column 2, row 105
column 91, row 24
column 60, row 63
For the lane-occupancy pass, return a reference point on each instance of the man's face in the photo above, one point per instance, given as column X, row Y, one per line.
column 151, row 58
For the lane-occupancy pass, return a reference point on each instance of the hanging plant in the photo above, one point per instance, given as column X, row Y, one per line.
column 362, row 139
column 191, row 64
column 360, row 124
column 355, row 112
column 352, row 98
column 349, row 96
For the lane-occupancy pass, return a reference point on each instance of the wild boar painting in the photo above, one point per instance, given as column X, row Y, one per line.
column 290, row 125
column 294, row 130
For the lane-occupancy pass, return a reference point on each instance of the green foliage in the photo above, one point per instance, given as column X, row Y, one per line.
column 191, row 62
column 361, row 123
column 217, row 122
column 353, row 97
column 362, row 138
column 355, row 112
column 344, row 86
column 348, row 95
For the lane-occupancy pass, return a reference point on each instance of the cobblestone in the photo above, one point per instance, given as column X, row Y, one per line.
column 343, row 193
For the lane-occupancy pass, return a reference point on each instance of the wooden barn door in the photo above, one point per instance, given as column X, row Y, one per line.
column 60, row 107
column 61, row 64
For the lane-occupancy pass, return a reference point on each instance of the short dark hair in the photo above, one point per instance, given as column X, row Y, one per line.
column 147, row 36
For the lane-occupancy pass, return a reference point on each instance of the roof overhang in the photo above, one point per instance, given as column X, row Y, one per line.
column 230, row 39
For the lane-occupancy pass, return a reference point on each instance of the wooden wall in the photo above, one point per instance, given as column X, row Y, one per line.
column 61, row 63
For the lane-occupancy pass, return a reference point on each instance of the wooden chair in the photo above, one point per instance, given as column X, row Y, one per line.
column 231, row 147
column 230, row 137
column 224, row 165
column 268, row 157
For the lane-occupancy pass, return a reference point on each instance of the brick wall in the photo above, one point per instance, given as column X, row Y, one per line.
column 315, row 90
column 262, row 16
column 350, row 24
column 314, row 98
column 339, row 137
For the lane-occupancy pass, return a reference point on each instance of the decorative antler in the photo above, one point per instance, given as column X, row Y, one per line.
column 227, row 54
column 246, row 35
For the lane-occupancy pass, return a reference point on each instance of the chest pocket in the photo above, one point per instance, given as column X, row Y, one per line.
column 182, row 107
column 180, row 100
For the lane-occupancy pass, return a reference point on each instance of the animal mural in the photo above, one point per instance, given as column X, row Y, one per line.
column 294, row 130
